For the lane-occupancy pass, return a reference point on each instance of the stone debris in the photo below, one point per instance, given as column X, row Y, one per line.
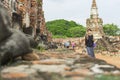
column 14, row 75
column 49, row 62
column 31, row 57
column 67, row 67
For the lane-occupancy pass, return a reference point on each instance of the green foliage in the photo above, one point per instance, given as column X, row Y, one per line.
column 76, row 31
column 104, row 77
column 41, row 47
column 107, row 77
column 59, row 36
column 65, row 28
column 111, row 29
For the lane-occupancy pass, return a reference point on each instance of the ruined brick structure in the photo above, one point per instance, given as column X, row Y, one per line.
column 94, row 22
column 41, row 21
column 96, row 25
column 28, row 16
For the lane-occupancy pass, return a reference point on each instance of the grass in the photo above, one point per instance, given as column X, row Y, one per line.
column 104, row 77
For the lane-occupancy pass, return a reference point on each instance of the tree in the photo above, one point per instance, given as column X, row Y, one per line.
column 66, row 28
column 78, row 31
column 111, row 29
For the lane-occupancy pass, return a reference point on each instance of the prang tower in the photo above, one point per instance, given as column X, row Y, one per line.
column 94, row 22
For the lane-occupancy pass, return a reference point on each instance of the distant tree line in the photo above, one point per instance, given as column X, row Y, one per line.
column 62, row 28
column 111, row 29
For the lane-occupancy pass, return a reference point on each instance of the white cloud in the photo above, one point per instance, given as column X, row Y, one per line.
column 79, row 10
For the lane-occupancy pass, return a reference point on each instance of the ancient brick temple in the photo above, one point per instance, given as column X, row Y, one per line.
column 94, row 22
column 27, row 14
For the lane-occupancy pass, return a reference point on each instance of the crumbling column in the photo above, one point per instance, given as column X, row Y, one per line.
column 41, row 22
column 27, row 16
column 39, row 12
column 33, row 16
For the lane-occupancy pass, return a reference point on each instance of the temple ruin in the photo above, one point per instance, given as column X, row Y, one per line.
column 96, row 25
column 27, row 16
column 94, row 22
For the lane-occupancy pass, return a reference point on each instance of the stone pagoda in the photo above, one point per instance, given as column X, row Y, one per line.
column 94, row 22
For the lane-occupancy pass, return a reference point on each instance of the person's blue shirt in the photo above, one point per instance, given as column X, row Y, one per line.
column 67, row 43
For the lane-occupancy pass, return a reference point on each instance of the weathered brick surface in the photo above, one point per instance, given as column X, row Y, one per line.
column 32, row 15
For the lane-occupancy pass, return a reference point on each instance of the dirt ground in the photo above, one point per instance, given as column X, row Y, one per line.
column 114, row 60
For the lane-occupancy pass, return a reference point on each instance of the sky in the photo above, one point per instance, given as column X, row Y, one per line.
column 79, row 10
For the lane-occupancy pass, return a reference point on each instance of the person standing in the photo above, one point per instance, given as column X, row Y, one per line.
column 89, row 43
column 73, row 45
column 67, row 44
